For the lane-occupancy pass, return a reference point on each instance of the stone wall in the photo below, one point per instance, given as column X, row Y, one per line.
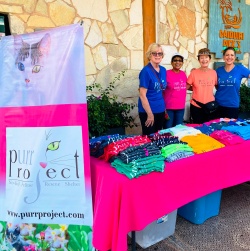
column 113, row 34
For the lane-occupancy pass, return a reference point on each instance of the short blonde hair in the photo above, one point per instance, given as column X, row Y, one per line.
column 153, row 47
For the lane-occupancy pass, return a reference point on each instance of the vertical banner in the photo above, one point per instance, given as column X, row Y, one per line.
column 45, row 187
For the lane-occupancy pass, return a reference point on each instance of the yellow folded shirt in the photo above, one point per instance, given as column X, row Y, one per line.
column 202, row 143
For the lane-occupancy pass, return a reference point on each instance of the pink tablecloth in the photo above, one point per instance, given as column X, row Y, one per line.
column 122, row 205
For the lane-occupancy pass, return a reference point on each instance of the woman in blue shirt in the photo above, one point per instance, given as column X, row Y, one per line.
column 151, row 104
column 228, row 88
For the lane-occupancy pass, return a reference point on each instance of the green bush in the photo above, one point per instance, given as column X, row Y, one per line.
column 105, row 111
column 244, row 98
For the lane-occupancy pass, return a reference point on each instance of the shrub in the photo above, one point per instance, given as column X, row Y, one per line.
column 105, row 111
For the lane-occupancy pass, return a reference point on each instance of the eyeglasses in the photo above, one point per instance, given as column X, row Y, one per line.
column 160, row 54
column 177, row 60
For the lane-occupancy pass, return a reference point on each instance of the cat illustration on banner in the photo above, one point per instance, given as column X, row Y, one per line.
column 30, row 63
column 15, row 240
column 29, row 58
column 57, row 163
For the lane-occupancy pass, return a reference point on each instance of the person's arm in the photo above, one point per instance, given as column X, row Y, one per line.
column 190, row 81
column 189, row 87
column 216, row 84
column 146, row 106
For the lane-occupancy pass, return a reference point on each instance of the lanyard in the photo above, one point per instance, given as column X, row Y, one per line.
column 160, row 82
column 155, row 73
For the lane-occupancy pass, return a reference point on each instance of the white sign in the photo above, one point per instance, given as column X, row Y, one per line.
column 45, row 176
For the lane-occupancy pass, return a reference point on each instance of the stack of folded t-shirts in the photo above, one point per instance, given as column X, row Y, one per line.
column 243, row 131
column 227, row 138
column 218, row 125
column 97, row 145
column 173, row 152
column 205, row 129
column 202, row 143
column 164, row 141
column 242, row 122
column 183, row 130
column 135, row 161
column 159, row 135
column 212, row 121
column 138, row 152
column 116, row 147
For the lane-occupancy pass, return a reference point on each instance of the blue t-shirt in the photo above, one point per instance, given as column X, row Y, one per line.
column 154, row 85
column 228, row 92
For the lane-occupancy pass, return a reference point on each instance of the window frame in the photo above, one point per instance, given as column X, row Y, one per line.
column 6, row 23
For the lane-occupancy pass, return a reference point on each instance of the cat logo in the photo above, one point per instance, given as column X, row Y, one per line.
column 230, row 21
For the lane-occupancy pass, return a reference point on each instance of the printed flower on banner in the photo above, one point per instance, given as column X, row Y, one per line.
column 30, row 248
column 63, row 228
column 27, row 229
column 42, row 235
column 53, row 238
column 42, row 244
column 59, row 242
column 45, row 235
column 54, row 233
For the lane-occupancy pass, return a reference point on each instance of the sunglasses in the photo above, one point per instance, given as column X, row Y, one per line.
column 177, row 60
column 204, row 53
column 160, row 54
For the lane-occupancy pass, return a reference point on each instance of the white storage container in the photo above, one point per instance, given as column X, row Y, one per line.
column 156, row 231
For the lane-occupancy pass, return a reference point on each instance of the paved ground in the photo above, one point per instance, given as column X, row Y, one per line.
column 229, row 231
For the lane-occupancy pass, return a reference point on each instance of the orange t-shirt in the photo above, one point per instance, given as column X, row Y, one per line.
column 203, row 83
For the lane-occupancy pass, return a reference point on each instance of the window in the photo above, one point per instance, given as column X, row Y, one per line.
column 4, row 25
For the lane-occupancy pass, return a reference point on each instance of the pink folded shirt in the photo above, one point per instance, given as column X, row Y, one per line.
column 226, row 138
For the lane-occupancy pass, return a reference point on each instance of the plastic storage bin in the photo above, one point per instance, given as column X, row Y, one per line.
column 157, row 230
column 201, row 209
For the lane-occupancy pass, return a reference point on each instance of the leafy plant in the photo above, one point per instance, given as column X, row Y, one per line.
column 105, row 111
column 244, row 98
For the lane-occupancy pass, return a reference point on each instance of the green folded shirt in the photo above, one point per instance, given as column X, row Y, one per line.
column 139, row 167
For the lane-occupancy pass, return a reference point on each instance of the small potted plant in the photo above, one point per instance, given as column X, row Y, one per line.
column 105, row 112
column 244, row 101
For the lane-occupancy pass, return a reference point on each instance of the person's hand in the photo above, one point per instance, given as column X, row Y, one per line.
column 150, row 120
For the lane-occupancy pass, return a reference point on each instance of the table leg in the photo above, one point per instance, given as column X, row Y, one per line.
column 133, row 241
